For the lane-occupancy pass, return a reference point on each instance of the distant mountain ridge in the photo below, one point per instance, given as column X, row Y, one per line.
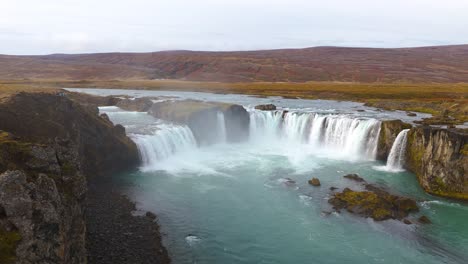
column 440, row 64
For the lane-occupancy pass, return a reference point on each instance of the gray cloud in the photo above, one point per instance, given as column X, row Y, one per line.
column 71, row 26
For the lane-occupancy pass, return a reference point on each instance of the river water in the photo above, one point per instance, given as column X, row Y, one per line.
column 250, row 202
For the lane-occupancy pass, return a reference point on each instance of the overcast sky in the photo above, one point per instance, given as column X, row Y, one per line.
column 78, row 26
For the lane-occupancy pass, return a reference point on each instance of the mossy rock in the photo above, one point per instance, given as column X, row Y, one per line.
column 8, row 243
column 375, row 203
column 464, row 150
column 314, row 182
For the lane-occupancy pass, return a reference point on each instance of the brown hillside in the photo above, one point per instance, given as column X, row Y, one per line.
column 443, row 64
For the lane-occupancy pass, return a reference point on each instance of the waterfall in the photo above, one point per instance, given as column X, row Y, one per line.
column 347, row 135
column 295, row 132
column 296, row 126
column 164, row 142
column 396, row 158
column 221, row 127
column 343, row 135
column 264, row 125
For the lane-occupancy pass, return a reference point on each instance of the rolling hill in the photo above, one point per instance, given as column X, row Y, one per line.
column 439, row 64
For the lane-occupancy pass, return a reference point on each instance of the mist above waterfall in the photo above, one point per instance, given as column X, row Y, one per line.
column 294, row 134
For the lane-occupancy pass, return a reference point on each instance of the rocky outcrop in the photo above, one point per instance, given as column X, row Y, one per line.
column 202, row 118
column 389, row 130
column 54, row 119
column 439, row 158
column 137, row 104
column 314, row 182
column 266, row 107
column 41, row 201
column 90, row 102
column 374, row 202
column 237, row 123
column 49, row 146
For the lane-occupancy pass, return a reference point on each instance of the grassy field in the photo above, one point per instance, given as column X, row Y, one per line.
column 447, row 102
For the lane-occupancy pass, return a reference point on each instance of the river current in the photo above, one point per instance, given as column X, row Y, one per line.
column 250, row 202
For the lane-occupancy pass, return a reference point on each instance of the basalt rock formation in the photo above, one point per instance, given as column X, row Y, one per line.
column 266, row 107
column 202, row 118
column 91, row 102
column 54, row 119
column 41, row 202
column 439, row 158
column 137, row 104
column 49, row 146
column 389, row 130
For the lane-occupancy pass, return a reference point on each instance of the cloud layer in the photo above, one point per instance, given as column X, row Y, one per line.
column 71, row 26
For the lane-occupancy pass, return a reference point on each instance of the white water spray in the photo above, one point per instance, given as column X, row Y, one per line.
column 336, row 134
column 396, row 158
column 165, row 141
column 221, row 127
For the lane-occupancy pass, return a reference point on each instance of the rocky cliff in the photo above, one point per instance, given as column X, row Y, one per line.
column 49, row 146
column 439, row 158
column 54, row 119
column 202, row 118
column 389, row 130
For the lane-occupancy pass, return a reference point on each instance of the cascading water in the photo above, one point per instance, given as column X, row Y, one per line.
column 351, row 136
column 264, row 125
column 296, row 126
column 165, row 141
column 344, row 135
column 221, row 127
column 205, row 194
column 396, row 158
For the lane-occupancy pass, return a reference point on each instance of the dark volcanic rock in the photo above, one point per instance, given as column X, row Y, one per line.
column 41, row 194
column 375, row 203
column 138, row 104
column 52, row 145
column 90, row 102
column 354, row 177
column 56, row 120
column 266, row 107
column 424, row 220
column 439, row 158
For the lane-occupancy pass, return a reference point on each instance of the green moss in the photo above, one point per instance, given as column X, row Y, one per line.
column 439, row 185
column 68, row 168
column 422, row 109
column 8, row 243
column 381, row 213
column 439, row 188
column 415, row 154
column 464, row 150
column 451, row 195
column 13, row 152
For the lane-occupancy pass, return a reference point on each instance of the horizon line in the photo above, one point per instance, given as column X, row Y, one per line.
column 238, row 51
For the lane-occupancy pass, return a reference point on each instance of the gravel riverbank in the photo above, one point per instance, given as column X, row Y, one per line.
column 114, row 235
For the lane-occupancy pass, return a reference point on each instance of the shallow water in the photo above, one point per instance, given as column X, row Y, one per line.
column 232, row 203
